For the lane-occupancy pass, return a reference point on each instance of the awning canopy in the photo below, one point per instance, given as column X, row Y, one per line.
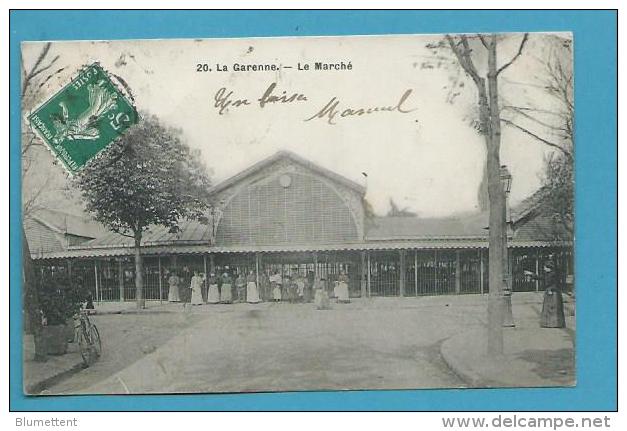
column 104, row 252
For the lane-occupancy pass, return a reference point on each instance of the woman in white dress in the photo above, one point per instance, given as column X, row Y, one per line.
column 173, row 292
column 252, row 293
column 321, row 298
column 196, row 287
column 342, row 288
column 226, row 296
column 213, row 294
column 300, row 291
column 276, row 281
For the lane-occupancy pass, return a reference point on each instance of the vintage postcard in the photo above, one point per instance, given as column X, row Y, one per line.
column 298, row 213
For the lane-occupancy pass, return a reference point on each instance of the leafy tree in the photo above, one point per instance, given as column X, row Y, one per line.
column 559, row 191
column 147, row 177
column 59, row 297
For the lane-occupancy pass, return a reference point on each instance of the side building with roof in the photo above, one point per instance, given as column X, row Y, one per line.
column 288, row 215
column 53, row 231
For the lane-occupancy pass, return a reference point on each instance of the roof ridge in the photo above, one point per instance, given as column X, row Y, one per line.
column 295, row 158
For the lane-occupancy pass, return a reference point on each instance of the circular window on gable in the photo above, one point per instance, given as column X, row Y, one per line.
column 285, row 180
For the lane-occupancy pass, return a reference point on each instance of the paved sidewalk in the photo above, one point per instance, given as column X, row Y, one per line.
column 533, row 356
column 130, row 307
column 40, row 375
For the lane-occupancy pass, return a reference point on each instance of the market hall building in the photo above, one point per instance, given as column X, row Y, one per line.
column 286, row 214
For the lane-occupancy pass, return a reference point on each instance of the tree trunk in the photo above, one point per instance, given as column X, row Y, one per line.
column 490, row 123
column 30, row 301
column 495, row 243
column 497, row 205
column 139, row 273
column 482, row 193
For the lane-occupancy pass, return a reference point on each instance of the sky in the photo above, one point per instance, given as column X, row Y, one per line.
column 428, row 159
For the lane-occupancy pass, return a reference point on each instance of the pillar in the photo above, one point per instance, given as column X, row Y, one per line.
column 205, row 268
column 174, row 262
column 416, row 272
column 363, row 275
column 402, row 275
column 96, row 280
column 537, row 270
column 212, row 263
column 458, row 272
column 160, row 281
column 509, row 270
column 121, row 279
column 368, row 258
column 435, row 270
column 257, row 269
column 69, row 271
column 481, row 269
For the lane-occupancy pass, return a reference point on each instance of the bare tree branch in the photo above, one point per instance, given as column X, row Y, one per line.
column 533, row 135
column 464, row 57
column 518, row 54
column 32, row 142
column 124, row 234
column 522, row 112
column 532, row 109
column 468, row 54
column 485, row 44
column 43, row 69
column 29, row 76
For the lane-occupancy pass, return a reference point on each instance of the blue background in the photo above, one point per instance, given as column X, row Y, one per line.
column 596, row 182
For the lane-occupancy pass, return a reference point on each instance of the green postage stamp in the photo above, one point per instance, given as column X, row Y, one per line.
column 83, row 118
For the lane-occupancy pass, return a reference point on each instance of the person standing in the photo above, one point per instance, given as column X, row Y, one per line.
column 552, row 315
column 196, row 288
column 292, row 289
column 173, row 292
column 300, row 288
column 342, row 288
column 331, row 285
column 285, row 288
column 264, row 287
column 276, row 282
column 213, row 294
column 240, row 287
column 321, row 297
column 226, row 296
column 252, row 293
column 309, row 286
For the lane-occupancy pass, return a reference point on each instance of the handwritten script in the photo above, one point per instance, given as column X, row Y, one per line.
column 334, row 110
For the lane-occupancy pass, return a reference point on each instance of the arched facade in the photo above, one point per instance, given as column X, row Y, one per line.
column 288, row 205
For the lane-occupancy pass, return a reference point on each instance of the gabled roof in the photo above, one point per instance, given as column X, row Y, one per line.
column 72, row 224
column 528, row 205
column 281, row 155
column 541, row 227
column 42, row 238
column 406, row 228
column 532, row 221
column 191, row 232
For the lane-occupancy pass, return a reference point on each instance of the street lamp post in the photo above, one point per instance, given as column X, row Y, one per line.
column 508, row 319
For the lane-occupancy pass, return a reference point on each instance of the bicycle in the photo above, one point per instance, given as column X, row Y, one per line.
column 88, row 338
